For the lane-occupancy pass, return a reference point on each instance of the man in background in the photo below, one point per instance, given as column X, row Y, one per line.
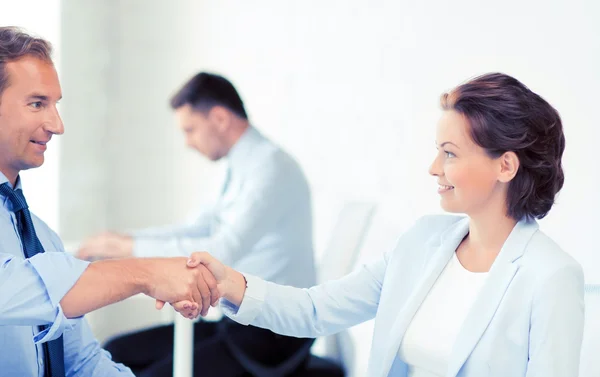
column 261, row 224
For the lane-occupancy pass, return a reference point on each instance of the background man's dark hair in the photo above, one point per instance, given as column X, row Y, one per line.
column 206, row 90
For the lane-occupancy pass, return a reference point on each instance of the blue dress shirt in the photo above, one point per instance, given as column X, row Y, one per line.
column 261, row 224
column 30, row 294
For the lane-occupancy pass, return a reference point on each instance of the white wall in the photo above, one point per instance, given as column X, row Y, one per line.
column 124, row 164
column 40, row 185
column 349, row 87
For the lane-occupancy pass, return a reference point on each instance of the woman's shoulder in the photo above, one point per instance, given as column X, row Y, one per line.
column 547, row 256
column 439, row 221
column 428, row 229
column 435, row 225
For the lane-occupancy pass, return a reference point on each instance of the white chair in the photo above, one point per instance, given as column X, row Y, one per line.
column 590, row 351
column 339, row 259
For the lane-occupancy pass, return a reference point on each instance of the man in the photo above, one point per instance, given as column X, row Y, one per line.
column 261, row 224
column 43, row 291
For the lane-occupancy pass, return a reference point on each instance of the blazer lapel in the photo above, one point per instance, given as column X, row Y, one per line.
column 500, row 276
column 448, row 242
column 480, row 315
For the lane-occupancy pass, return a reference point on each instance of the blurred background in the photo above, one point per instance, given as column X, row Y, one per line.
column 350, row 88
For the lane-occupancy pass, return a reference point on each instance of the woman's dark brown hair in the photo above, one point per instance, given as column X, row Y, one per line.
column 504, row 115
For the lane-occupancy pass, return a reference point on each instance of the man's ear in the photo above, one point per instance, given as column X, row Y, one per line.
column 221, row 117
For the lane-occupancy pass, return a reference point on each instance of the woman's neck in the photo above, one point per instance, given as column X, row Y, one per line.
column 487, row 234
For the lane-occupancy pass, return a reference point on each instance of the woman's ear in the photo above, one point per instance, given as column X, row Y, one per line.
column 509, row 166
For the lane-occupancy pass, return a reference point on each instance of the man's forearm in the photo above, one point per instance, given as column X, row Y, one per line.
column 106, row 282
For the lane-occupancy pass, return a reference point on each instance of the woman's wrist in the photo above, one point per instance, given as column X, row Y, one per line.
column 235, row 287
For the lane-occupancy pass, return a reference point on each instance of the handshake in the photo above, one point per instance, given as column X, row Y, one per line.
column 192, row 285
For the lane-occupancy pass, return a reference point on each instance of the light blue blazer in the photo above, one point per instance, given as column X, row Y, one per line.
column 526, row 321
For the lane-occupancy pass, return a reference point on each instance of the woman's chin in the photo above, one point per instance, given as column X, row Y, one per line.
column 450, row 207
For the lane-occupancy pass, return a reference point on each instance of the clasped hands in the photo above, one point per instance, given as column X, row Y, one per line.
column 193, row 291
column 191, row 285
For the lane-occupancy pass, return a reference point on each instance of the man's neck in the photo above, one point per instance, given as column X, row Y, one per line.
column 11, row 175
column 236, row 132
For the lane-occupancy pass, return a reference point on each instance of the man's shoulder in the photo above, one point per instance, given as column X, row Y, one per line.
column 272, row 161
column 45, row 233
column 38, row 222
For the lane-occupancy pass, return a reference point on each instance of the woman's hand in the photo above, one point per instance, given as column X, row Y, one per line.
column 231, row 284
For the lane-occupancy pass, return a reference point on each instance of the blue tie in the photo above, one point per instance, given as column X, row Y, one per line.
column 53, row 350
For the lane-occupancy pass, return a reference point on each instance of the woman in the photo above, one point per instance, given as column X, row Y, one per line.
column 488, row 294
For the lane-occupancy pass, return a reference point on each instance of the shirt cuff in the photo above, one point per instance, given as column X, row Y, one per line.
column 252, row 303
column 59, row 272
column 59, row 325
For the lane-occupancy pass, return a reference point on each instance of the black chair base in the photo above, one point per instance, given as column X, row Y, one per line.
column 319, row 367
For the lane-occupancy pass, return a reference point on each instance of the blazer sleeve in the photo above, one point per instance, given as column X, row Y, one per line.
column 332, row 306
column 557, row 319
column 321, row 310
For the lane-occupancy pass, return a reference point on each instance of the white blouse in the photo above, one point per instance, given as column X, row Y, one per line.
column 427, row 344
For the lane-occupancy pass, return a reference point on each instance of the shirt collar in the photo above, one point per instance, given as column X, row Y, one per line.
column 3, row 180
column 239, row 154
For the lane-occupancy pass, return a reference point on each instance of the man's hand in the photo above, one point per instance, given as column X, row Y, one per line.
column 106, row 245
column 171, row 280
column 230, row 283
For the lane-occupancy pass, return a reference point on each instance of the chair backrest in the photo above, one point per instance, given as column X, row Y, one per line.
column 346, row 240
column 338, row 260
column 590, row 351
